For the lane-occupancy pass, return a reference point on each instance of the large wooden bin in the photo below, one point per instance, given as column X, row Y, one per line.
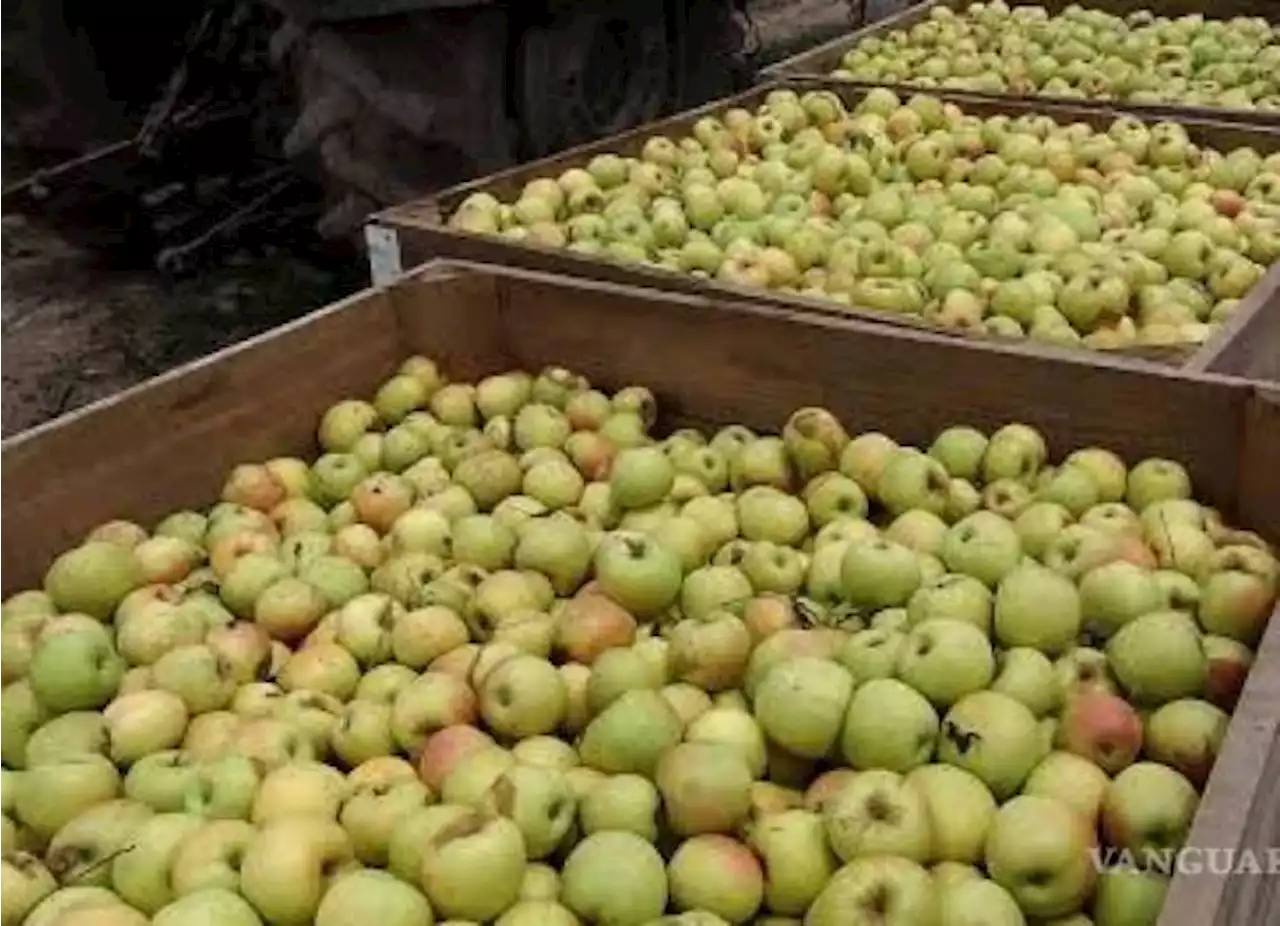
column 821, row 60
column 168, row 443
column 407, row 235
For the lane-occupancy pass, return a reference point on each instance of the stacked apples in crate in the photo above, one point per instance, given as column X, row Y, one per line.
column 502, row 655
column 1013, row 226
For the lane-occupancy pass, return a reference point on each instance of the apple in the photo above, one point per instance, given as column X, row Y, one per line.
column 625, row 803
column 1027, row 675
column 62, row 790
column 768, row 514
column 1128, row 897
column 994, row 737
column 945, row 659
column 142, row 723
column 1159, row 657
column 982, row 545
column 81, row 852
column 912, row 480
column 1154, row 480
column 74, row 671
column 801, row 705
column 92, row 578
column 637, row 573
column 141, row 875
column 1186, row 735
column 523, row 696
column 718, row 875
column 290, row 863
column 613, row 876
column 960, row 811
column 1037, row 608
column 870, row 890
column 711, row 654
column 871, row 653
column 1102, row 728
column 705, row 788
column 879, row 574
column 631, row 734
column 1038, row 850
column 208, row 906
column 953, row 596
column 21, row 715
column 25, row 883
column 888, row 725
column 1115, row 593
column 1228, row 667
column 541, row 803
column 1148, row 808
column 209, row 857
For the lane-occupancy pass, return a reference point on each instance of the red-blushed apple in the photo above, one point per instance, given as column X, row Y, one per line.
column 766, row 614
column 1102, row 728
column 1159, row 657
column 879, row 813
column 445, row 748
column 323, row 667
column 994, row 737
column 1186, row 735
column 433, row 701
column 888, row 725
column 1037, row 608
column 1148, row 808
column 1038, row 850
column 591, row 623
column 960, row 811
column 718, row 875
column 801, row 705
column 825, row 787
column 614, row 877
column 705, row 788
column 1229, row 662
column 1238, row 593
column 875, row 890
column 945, row 659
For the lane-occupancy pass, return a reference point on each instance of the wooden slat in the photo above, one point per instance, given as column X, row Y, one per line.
column 1249, row 344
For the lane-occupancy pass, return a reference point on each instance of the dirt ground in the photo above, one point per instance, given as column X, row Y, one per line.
column 76, row 331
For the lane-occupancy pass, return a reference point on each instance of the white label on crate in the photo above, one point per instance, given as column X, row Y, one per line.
column 384, row 253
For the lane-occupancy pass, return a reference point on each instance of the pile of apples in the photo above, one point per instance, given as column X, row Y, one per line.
column 1083, row 53
column 1010, row 226
column 501, row 655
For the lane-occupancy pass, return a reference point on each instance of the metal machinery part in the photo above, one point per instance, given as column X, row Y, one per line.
column 425, row 94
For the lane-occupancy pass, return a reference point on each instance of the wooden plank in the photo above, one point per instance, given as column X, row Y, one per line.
column 823, row 59
column 1240, row 808
column 169, row 443
column 1249, row 344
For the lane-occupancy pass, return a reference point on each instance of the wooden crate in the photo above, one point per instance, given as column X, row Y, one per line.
column 407, row 235
column 821, row 60
column 168, row 443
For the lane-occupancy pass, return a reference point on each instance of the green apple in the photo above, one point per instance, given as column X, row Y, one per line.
column 290, row 863
column 801, row 705
column 888, row 725
column 1037, row 608
column 1039, row 851
column 1158, row 657
column 994, row 737
column 945, row 659
column 1148, row 808
column 876, row 890
column 209, row 907
column 614, row 877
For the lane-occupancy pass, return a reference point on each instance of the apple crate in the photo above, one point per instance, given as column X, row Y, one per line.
column 167, row 444
column 407, row 235
column 823, row 59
